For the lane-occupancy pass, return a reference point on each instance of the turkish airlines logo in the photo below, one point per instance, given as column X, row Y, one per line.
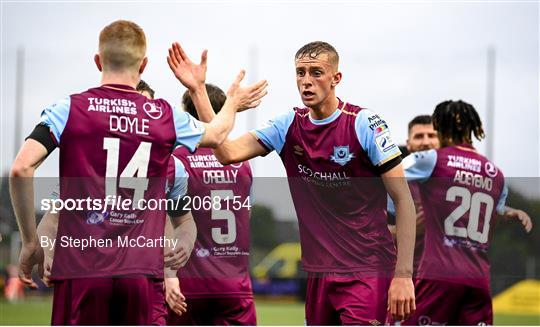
column 152, row 110
column 490, row 169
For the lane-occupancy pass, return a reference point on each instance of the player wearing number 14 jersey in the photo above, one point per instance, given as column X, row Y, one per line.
column 112, row 141
column 462, row 192
column 215, row 281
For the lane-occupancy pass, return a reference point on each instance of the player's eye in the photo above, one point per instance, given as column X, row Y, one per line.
column 317, row 73
column 300, row 73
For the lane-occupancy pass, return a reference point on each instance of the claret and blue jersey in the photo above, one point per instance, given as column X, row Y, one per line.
column 106, row 135
column 333, row 168
column 462, row 192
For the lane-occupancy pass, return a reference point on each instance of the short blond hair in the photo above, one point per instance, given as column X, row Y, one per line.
column 122, row 46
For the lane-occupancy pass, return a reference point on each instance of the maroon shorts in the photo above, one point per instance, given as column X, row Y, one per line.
column 350, row 299
column 446, row 303
column 159, row 307
column 102, row 301
column 216, row 311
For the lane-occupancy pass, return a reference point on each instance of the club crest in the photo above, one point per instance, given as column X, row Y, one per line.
column 341, row 155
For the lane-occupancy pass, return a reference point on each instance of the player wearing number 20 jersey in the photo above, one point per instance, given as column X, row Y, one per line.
column 462, row 192
column 215, row 281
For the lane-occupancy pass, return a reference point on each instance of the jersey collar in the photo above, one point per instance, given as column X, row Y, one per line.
column 330, row 118
column 120, row 87
column 466, row 147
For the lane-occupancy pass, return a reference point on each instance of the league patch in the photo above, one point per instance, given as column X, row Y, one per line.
column 341, row 155
column 384, row 142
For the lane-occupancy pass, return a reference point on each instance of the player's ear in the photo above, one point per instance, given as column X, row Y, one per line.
column 97, row 60
column 336, row 79
column 143, row 65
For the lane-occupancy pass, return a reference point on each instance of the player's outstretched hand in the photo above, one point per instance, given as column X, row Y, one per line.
column 246, row 97
column 520, row 215
column 187, row 72
column 30, row 256
column 177, row 258
column 174, row 298
column 401, row 301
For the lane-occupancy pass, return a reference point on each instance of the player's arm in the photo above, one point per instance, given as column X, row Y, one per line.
column 385, row 156
column 391, row 210
column 238, row 98
column 184, row 230
column 221, row 125
column 43, row 140
column 512, row 214
column 21, row 184
column 520, row 215
column 401, row 298
column 47, row 229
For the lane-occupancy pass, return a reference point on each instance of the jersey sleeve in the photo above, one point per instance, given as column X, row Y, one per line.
column 180, row 181
column 189, row 131
column 419, row 166
column 272, row 134
column 55, row 117
column 374, row 136
column 501, row 204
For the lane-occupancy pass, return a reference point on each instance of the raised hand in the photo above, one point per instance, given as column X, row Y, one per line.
column 246, row 97
column 187, row 72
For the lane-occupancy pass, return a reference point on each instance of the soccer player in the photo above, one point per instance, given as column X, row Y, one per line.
column 462, row 192
column 185, row 232
column 179, row 226
column 104, row 133
column 216, row 280
column 423, row 136
column 340, row 162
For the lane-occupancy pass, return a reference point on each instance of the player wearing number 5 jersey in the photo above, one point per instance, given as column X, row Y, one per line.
column 114, row 144
column 215, row 281
column 462, row 192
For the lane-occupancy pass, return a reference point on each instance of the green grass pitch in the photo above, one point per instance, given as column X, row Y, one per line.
column 37, row 311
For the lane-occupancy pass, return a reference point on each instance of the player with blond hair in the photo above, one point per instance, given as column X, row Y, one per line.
column 114, row 144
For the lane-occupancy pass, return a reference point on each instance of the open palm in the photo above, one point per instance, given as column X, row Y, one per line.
column 191, row 75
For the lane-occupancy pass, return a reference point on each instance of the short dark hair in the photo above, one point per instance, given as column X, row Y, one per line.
column 420, row 120
column 456, row 121
column 216, row 95
column 143, row 86
column 314, row 49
